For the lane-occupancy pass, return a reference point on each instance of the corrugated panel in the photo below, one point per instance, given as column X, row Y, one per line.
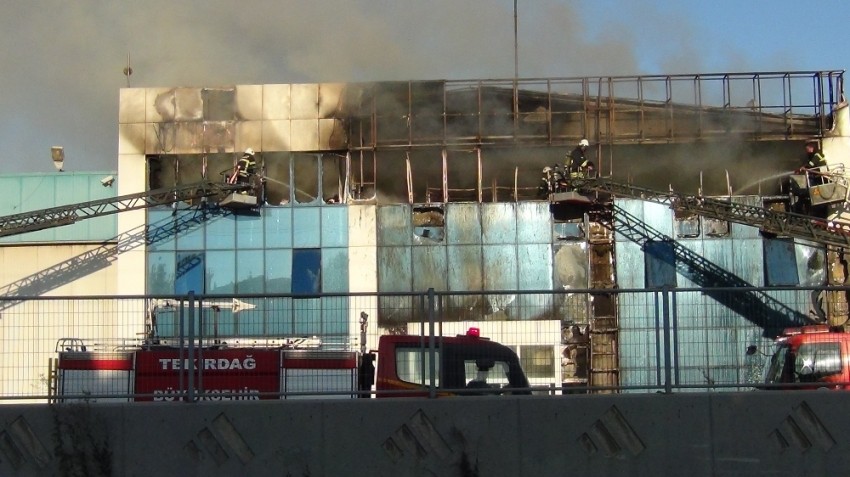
column 693, row 277
column 394, row 225
column 430, row 268
column 500, row 267
column 745, row 231
column 534, row 222
column 634, row 208
column 534, row 266
column 465, row 272
column 394, row 269
column 748, row 260
column 463, row 224
column 498, row 223
column 630, row 265
column 658, row 217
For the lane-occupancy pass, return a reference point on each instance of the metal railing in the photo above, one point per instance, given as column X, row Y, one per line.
column 574, row 341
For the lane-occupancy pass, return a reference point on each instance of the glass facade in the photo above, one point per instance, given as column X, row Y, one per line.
column 283, row 250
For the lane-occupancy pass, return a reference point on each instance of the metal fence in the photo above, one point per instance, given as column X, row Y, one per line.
column 106, row 348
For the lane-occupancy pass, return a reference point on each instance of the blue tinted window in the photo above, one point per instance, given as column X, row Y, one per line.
column 221, row 272
column 189, row 273
column 780, row 263
column 306, row 271
column 160, row 234
column 278, row 271
column 250, row 274
column 306, row 227
column 278, row 227
column 334, row 226
column 334, row 270
column 160, row 273
column 249, row 232
column 221, row 233
column 189, row 233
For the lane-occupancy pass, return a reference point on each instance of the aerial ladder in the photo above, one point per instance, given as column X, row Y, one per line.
column 240, row 195
column 780, row 223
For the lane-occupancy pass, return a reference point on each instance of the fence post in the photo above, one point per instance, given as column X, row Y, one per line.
column 190, row 359
column 432, row 347
column 665, row 301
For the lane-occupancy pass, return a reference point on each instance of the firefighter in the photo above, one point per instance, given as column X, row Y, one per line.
column 814, row 164
column 546, row 181
column 577, row 164
column 559, row 183
column 814, row 157
column 245, row 168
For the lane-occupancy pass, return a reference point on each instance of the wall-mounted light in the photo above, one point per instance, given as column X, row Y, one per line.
column 58, row 155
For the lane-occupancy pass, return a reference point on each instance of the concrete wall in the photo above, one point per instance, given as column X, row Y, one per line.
column 770, row 433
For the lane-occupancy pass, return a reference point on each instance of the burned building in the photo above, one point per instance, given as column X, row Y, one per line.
column 402, row 187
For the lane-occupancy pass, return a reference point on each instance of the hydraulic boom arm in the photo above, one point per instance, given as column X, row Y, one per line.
column 781, row 223
column 69, row 214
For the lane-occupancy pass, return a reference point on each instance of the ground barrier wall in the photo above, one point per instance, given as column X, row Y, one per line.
column 696, row 434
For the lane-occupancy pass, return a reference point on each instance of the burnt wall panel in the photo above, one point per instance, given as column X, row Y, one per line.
column 499, row 223
column 463, row 223
column 430, row 268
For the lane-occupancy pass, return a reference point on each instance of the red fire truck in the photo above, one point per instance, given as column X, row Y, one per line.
column 297, row 368
column 810, row 357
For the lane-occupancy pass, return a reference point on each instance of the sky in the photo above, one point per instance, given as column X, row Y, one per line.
column 63, row 61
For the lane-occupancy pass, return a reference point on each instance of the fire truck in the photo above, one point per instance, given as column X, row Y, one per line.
column 810, row 357
column 404, row 365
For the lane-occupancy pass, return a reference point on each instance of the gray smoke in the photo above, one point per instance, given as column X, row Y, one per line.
column 63, row 61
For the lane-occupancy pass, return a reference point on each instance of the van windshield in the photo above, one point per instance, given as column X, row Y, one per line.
column 811, row 362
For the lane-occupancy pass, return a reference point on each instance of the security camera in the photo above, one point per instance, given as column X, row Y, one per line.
column 107, row 181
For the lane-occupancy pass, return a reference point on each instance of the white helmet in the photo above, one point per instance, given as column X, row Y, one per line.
column 547, row 169
column 584, row 142
column 249, row 151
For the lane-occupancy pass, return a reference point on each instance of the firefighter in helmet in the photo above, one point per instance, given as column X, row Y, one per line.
column 546, row 181
column 245, row 168
column 577, row 164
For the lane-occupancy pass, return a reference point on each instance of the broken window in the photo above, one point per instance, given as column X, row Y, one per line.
column 687, row 224
column 715, row 227
column 429, row 223
column 333, row 171
column 306, row 169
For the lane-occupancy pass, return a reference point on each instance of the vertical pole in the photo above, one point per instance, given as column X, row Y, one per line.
column 432, row 347
column 516, row 44
column 181, row 351
column 668, row 385
column 190, row 359
column 516, row 73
